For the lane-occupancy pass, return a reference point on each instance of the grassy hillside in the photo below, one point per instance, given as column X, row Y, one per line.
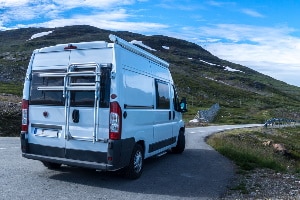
column 245, row 96
column 259, row 147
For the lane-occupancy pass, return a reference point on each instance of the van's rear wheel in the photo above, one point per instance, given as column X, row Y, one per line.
column 180, row 143
column 135, row 168
column 51, row 165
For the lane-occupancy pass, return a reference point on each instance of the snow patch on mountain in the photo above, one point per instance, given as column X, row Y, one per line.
column 232, row 70
column 207, row 62
column 227, row 68
column 37, row 35
column 140, row 43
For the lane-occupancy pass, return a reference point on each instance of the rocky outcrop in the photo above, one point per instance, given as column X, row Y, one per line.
column 10, row 115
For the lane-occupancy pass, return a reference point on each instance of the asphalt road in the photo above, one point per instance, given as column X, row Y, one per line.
column 198, row 173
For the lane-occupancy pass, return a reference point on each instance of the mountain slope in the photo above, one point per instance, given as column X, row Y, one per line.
column 245, row 96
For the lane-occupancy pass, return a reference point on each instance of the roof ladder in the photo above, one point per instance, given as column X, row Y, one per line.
column 79, row 70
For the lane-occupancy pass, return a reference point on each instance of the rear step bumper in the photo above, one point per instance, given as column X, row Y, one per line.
column 71, row 162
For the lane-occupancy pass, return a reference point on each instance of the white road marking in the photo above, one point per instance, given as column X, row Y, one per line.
column 2, row 148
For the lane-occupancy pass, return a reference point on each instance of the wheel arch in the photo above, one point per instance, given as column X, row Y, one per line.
column 143, row 145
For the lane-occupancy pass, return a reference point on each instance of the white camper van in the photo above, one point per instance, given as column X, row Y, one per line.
column 99, row 105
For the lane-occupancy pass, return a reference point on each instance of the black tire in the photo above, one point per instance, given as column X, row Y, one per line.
column 180, row 143
column 135, row 168
column 51, row 165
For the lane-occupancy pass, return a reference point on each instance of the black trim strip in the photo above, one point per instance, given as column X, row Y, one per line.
column 79, row 163
column 138, row 107
column 45, row 126
column 161, row 144
column 74, row 154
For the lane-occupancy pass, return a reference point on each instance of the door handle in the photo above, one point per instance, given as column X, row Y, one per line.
column 170, row 115
column 173, row 115
column 75, row 116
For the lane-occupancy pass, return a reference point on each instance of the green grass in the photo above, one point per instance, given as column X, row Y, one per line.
column 11, row 88
column 247, row 149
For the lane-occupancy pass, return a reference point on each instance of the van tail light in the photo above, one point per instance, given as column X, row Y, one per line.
column 115, row 121
column 25, row 120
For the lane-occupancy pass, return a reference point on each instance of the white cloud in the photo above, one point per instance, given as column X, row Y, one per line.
column 273, row 51
column 288, row 73
column 106, row 14
column 13, row 3
column 68, row 4
column 52, row 9
column 28, row 10
column 265, row 49
column 114, row 20
column 19, row 13
column 2, row 28
column 220, row 3
column 182, row 6
column 252, row 13
column 241, row 32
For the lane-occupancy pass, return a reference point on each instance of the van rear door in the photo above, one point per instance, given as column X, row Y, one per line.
column 46, row 104
column 87, row 95
column 69, row 103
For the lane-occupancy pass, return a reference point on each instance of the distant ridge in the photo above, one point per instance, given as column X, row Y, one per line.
column 244, row 95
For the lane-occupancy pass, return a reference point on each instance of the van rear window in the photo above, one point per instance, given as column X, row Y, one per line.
column 41, row 97
column 78, row 98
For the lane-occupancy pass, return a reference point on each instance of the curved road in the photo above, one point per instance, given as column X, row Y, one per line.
column 198, row 173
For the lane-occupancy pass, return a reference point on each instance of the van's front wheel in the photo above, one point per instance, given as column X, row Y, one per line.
column 135, row 168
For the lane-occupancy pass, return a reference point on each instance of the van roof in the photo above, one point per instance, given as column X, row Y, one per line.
column 103, row 44
column 137, row 50
column 80, row 45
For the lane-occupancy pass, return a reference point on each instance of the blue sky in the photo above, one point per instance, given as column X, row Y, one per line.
column 261, row 34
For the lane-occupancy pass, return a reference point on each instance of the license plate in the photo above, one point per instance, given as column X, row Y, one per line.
column 47, row 133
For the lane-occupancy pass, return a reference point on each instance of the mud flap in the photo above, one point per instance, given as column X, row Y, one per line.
column 119, row 152
column 24, row 143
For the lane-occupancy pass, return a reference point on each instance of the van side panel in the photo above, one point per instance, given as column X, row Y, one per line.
column 141, row 117
column 138, row 117
column 135, row 87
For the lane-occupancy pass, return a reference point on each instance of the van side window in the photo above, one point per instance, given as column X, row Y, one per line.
column 162, row 95
column 105, row 87
column 176, row 100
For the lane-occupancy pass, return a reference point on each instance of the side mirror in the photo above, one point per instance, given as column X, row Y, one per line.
column 183, row 105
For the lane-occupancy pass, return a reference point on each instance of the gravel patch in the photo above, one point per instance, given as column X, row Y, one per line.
column 265, row 184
